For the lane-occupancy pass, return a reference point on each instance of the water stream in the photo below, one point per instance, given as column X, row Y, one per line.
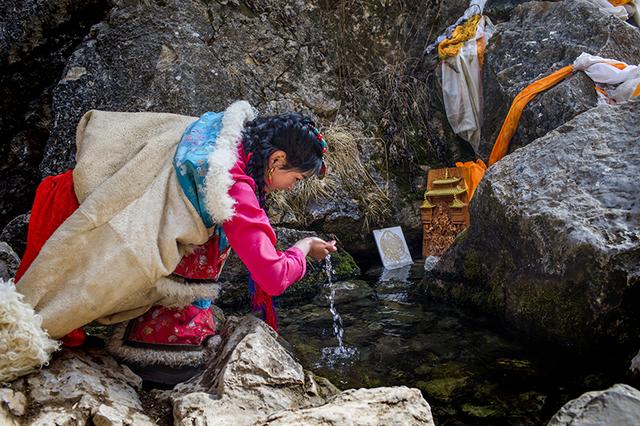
column 469, row 368
column 332, row 355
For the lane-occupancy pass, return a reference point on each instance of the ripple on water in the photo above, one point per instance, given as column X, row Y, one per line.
column 469, row 370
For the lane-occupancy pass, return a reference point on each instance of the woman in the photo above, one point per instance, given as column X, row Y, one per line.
column 159, row 207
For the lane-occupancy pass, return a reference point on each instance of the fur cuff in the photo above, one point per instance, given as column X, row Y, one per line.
column 25, row 346
column 150, row 356
column 218, row 181
column 175, row 292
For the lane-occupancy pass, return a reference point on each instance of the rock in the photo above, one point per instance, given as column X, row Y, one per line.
column 379, row 406
column 618, row 405
column 635, row 364
column 255, row 381
column 15, row 233
column 9, row 261
column 526, row 48
column 14, row 401
column 191, row 57
column 36, row 38
column 345, row 292
column 79, row 387
column 234, row 292
column 252, row 376
column 554, row 242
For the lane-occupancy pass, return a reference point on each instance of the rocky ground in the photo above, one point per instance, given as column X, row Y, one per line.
column 252, row 380
column 554, row 245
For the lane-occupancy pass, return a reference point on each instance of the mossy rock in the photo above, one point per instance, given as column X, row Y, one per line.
column 444, row 389
column 481, row 411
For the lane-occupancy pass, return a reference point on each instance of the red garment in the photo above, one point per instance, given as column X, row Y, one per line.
column 205, row 262
column 188, row 326
column 55, row 201
column 175, row 327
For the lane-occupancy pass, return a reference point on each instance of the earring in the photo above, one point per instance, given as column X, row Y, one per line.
column 269, row 177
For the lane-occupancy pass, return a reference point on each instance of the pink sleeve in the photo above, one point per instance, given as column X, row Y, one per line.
column 252, row 238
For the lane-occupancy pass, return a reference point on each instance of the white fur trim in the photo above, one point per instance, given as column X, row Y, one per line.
column 150, row 356
column 219, row 204
column 176, row 294
column 24, row 345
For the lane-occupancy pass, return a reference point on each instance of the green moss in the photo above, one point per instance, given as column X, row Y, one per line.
column 344, row 266
column 423, row 369
column 443, row 389
column 479, row 411
column 461, row 236
column 556, row 312
column 472, row 266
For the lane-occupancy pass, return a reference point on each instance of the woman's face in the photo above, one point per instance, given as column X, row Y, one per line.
column 280, row 177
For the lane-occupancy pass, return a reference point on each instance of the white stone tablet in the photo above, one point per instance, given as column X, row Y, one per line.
column 392, row 247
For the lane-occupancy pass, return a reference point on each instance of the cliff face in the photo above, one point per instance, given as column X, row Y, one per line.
column 354, row 64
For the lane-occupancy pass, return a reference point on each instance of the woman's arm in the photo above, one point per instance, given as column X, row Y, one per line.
column 251, row 236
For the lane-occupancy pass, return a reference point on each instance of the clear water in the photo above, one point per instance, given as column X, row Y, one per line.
column 469, row 369
column 333, row 356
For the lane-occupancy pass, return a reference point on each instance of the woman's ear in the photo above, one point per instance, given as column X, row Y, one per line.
column 277, row 158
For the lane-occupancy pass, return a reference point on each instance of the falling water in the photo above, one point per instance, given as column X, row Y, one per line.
column 338, row 331
column 331, row 355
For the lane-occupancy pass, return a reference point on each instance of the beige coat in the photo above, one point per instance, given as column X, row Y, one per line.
column 107, row 260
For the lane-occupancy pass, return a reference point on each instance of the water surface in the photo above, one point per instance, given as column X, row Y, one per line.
column 469, row 368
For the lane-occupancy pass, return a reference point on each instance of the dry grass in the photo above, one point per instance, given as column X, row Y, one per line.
column 347, row 176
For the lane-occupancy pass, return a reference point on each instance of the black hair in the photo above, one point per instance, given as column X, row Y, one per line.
column 292, row 133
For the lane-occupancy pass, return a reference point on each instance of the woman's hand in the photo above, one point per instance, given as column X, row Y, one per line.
column 316, row 247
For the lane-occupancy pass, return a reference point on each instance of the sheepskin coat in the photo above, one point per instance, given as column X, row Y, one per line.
column 134, row 223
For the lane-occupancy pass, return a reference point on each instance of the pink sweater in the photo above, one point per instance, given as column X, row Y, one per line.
column 251, row 236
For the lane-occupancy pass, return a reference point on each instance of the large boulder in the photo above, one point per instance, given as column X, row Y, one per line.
column 379, row 406
column 542, row 37
column 36, row 37
column 254, row 380
column 554, row 242
column 189, row 57
column 619, row 405
column 77, row 388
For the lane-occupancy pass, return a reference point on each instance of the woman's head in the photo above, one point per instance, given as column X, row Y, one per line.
column 284, row 149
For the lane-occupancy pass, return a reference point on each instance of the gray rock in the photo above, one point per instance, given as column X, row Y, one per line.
column 251, row 377
column 36, row 38
column 15, row 233
column 14, row 401
column 635, row 364
column 619, row 405
column 345, row 292
column 526, row 48
column 79, row 387
column 379, row 406
column 9, row 261
column 554, row 242
column 191, row 57
column 255, row 381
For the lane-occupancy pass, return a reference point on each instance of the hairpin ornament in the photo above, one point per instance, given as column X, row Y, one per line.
column 324, row 147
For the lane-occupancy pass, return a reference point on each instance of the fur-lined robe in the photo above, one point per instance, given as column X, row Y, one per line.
column 108, row 260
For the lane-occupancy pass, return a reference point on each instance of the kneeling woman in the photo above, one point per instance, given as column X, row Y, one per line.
column 158, row 207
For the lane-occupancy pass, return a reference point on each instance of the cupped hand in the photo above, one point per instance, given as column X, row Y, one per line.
column 316, row 247
column 320, row 248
